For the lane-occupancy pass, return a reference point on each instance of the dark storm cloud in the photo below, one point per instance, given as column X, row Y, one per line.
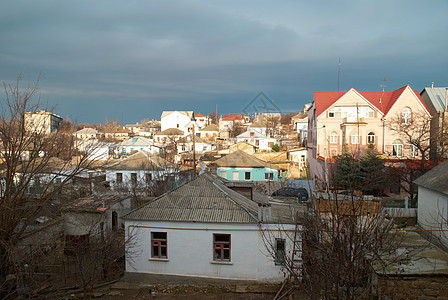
column 131, row 60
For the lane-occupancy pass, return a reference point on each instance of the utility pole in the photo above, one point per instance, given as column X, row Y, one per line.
column 194, row 149
column 339, row 71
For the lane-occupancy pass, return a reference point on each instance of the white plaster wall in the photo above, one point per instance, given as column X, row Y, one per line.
column 190, row 251
column 433, row 212
column 111, row 176
column 173, row 119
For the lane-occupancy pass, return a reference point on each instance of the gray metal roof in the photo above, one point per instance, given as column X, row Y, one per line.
column 435, row 179
column 204, row 199
column 438, row 97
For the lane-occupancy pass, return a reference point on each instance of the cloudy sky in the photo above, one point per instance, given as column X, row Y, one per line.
column 130, row 60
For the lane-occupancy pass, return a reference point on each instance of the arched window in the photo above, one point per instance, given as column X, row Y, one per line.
column 397, row 148
column 406, row 115
column 334, row 137
column 355, row 138
column 371, row 138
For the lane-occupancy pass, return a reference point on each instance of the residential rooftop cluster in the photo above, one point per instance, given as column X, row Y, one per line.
column 225, row 197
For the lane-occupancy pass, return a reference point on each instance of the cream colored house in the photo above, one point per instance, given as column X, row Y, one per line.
column 43, row 122
column 356, row 119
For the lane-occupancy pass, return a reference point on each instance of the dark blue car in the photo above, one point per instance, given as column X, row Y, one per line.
column 300, row 193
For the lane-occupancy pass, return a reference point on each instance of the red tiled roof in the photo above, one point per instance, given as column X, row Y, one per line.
column 199, row 115
column 232, row 118
column 323, row 100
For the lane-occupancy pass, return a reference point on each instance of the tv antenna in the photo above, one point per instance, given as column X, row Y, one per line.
column 339, row 71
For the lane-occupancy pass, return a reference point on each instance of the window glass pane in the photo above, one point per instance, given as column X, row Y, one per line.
column 222, row 238
column 226, row 254
column 280, row 252
column 155, row 250
column 163, row 251
column 159, row 235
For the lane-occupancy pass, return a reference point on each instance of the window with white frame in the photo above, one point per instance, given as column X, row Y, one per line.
column 334, row 137
column 355, row 138
column 397, row 148
column 406, row 115
column 352, row 112
column 223, row 174
column 413, row 151
column 269, row 176
column 371, row 138
column 235, row 175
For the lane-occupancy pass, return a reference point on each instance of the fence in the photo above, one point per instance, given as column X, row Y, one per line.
column 401, row 207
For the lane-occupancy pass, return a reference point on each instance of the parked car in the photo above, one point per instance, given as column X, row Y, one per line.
column 300, row 193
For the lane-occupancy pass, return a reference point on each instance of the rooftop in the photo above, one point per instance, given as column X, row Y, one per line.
column 242, row 159
column 140, row 161
column 207, row 198
column 383, row 101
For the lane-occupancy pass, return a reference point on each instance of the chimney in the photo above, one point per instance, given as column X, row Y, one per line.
column 264, row 212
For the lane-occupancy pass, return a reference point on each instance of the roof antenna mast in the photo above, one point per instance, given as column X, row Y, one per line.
column 339, row 71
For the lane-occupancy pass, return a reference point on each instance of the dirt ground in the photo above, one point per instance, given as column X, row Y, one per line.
column 182, row 292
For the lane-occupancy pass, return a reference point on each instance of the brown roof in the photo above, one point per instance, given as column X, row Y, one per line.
column 45, row 165
column 211, row 127
column 140, row 161
column 242, row 159
column 171, row 131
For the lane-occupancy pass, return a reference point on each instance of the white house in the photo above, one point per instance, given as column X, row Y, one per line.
column 433, row 202
column 99, row 151
column 206, row 229
column 138, row 143
column 257, row 139
column 297, row 155
column 176, row 119
column 84, row 216
column 185, row 145
column 138, row 169
column 209, row 133
column 168, row 136
column 201, row 120
column 87, row 134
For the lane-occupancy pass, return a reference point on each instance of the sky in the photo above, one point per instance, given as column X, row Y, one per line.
column 130, row 60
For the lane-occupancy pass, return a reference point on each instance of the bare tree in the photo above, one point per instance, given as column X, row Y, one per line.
column 213, row 117
column 272, row 123
column 236, row 129
column 27, row 153
column 415, row 133
column 338, row 246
